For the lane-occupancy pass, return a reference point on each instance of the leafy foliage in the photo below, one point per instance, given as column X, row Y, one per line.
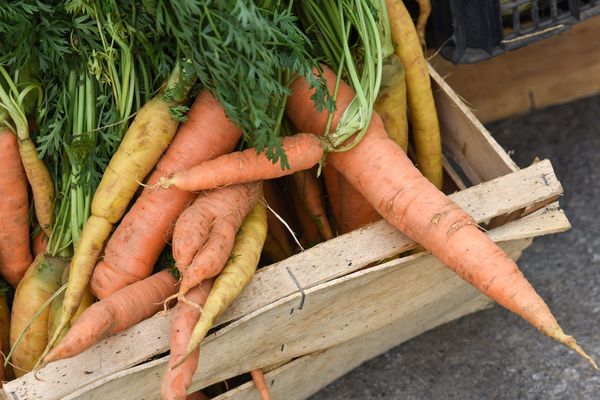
column 247, row 56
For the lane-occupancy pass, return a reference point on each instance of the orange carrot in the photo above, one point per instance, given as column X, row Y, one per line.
column 137, row 242
column 382, row 172
column 309, row 230
column 176, row 382
column 356, row 210
column 303, row 151
column 308, row 188
column 205, row 232
column 15, row 256
column 258, row 377
column 123, row 309
column 334, row 199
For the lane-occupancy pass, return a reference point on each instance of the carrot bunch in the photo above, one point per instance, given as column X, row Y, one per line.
column 150, row 149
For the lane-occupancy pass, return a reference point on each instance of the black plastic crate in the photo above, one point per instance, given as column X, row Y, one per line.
column 468, row 31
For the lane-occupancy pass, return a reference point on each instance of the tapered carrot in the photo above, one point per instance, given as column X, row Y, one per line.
column 123, row 309
column 144, row 142
column 175, row 382
column 382, row 172
column 234, row 278
column 137, row 242
column 423, row 115
column 309, row 234
column 56, row 308
column 302, row 150
column 205, row 232
column 307, row 185
column 424, row 12
column 350, row 209
column 15, row 256
column 40, row 282
column 258, row 377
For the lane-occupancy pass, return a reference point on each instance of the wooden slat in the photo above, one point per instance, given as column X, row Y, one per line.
column 305, row 375
column 474, row 149
column 555, row 70
column 333, row 312
column 334, row 258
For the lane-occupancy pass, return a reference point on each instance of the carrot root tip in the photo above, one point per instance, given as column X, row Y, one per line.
column 571, row 343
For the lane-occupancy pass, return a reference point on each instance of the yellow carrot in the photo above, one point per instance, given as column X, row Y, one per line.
column 40, row 282
column 234, row 277
column 423, row 116
column 144, row 142
column 391, row 102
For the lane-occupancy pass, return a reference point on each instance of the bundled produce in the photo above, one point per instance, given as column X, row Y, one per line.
column 186, row 334
column 139, row 124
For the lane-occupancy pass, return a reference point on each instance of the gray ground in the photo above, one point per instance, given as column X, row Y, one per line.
column 495, row 355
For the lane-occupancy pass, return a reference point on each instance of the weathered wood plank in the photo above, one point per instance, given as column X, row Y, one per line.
column 406, row 284
column 556, row 70
column 306, row 375
column 479, row 155
column 334, row 312
column 334, row 258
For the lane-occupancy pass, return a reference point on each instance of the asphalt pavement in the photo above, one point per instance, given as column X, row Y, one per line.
column 493, row 354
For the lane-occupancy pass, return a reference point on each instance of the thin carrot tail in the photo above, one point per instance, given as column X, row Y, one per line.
column 569, row 341
column 260, row 382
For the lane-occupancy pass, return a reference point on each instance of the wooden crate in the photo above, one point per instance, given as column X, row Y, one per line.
column 315, row 306
column 553, row 71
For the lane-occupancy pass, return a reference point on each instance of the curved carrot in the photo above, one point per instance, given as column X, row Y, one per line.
column 303, row 150
column 308, row 188
column 147, row 137
column 15, row 256
column 41, row 184
column 39, row 283
column 258, row 376
column 234, row 277
column 205, row 232
column 423, row 115
column 382, row 172
column 175, row 382
column 123, row 309
column 137, row 242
